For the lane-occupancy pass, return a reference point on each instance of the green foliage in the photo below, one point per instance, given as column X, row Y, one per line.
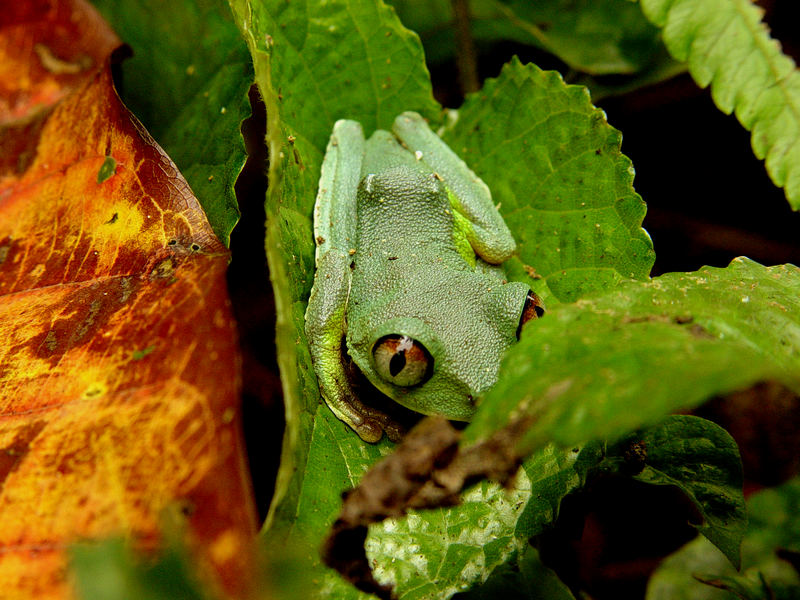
column 610, row 363
column 524, row 578
column 725, row 45
column 592, row 37
column 774, row 525
column 188, row 82
column 700, row 459
column 435, row 553
column 569, row 200
column 617, row 351
column 570, row 203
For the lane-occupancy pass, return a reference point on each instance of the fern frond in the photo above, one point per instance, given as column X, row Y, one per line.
column 725, row 44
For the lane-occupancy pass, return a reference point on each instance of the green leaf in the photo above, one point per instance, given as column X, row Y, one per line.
column 336, row 459
column 598, row 37
column 673, row 578
column 726, row 45
column 608, row 364
column 525, row 578
column 188, row 82
column 774, row 519
column 433, row 554
column 554, row 166
column 702, row 460
column 774, row 524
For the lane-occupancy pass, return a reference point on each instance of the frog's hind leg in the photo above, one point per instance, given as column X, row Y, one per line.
column 485, row 229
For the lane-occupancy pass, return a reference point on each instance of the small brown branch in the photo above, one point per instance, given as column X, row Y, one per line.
column 427, row 470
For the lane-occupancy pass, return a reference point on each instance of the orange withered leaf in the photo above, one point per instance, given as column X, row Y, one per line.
column 119, row 368
column 47, row 48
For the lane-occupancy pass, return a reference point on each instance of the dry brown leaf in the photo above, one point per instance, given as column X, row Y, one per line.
column 119, row 368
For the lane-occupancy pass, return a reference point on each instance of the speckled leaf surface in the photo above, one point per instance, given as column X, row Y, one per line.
column 187, row 81
column 433, row 554
column 554, row 166
column 610, row 363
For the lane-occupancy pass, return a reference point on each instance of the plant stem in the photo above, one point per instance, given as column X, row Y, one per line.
column 465, row 48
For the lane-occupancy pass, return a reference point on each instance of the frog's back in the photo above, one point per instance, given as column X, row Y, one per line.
column 403, row 210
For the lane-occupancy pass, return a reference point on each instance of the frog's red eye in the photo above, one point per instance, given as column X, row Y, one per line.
column 533, row 309
column 402, row 360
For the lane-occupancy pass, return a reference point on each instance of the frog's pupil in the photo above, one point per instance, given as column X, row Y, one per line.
column 397, row 363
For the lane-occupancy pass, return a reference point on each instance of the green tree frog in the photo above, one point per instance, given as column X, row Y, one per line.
column 408, row 279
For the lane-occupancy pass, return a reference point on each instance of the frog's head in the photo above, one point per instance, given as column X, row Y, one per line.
column 440, row 363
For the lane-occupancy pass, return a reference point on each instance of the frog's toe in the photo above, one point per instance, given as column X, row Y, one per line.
column 394, row 431
column 369, row 430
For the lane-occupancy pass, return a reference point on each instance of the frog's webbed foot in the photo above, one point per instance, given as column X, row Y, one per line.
column 368, row 422
column 376, row 418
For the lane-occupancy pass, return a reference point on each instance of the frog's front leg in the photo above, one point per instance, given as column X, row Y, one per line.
column 470, row 197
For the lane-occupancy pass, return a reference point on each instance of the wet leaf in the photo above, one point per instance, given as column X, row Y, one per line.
column 119, row 364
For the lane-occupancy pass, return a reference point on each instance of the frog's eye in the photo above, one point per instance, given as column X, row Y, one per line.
column 402, row 360
column 533, row 309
